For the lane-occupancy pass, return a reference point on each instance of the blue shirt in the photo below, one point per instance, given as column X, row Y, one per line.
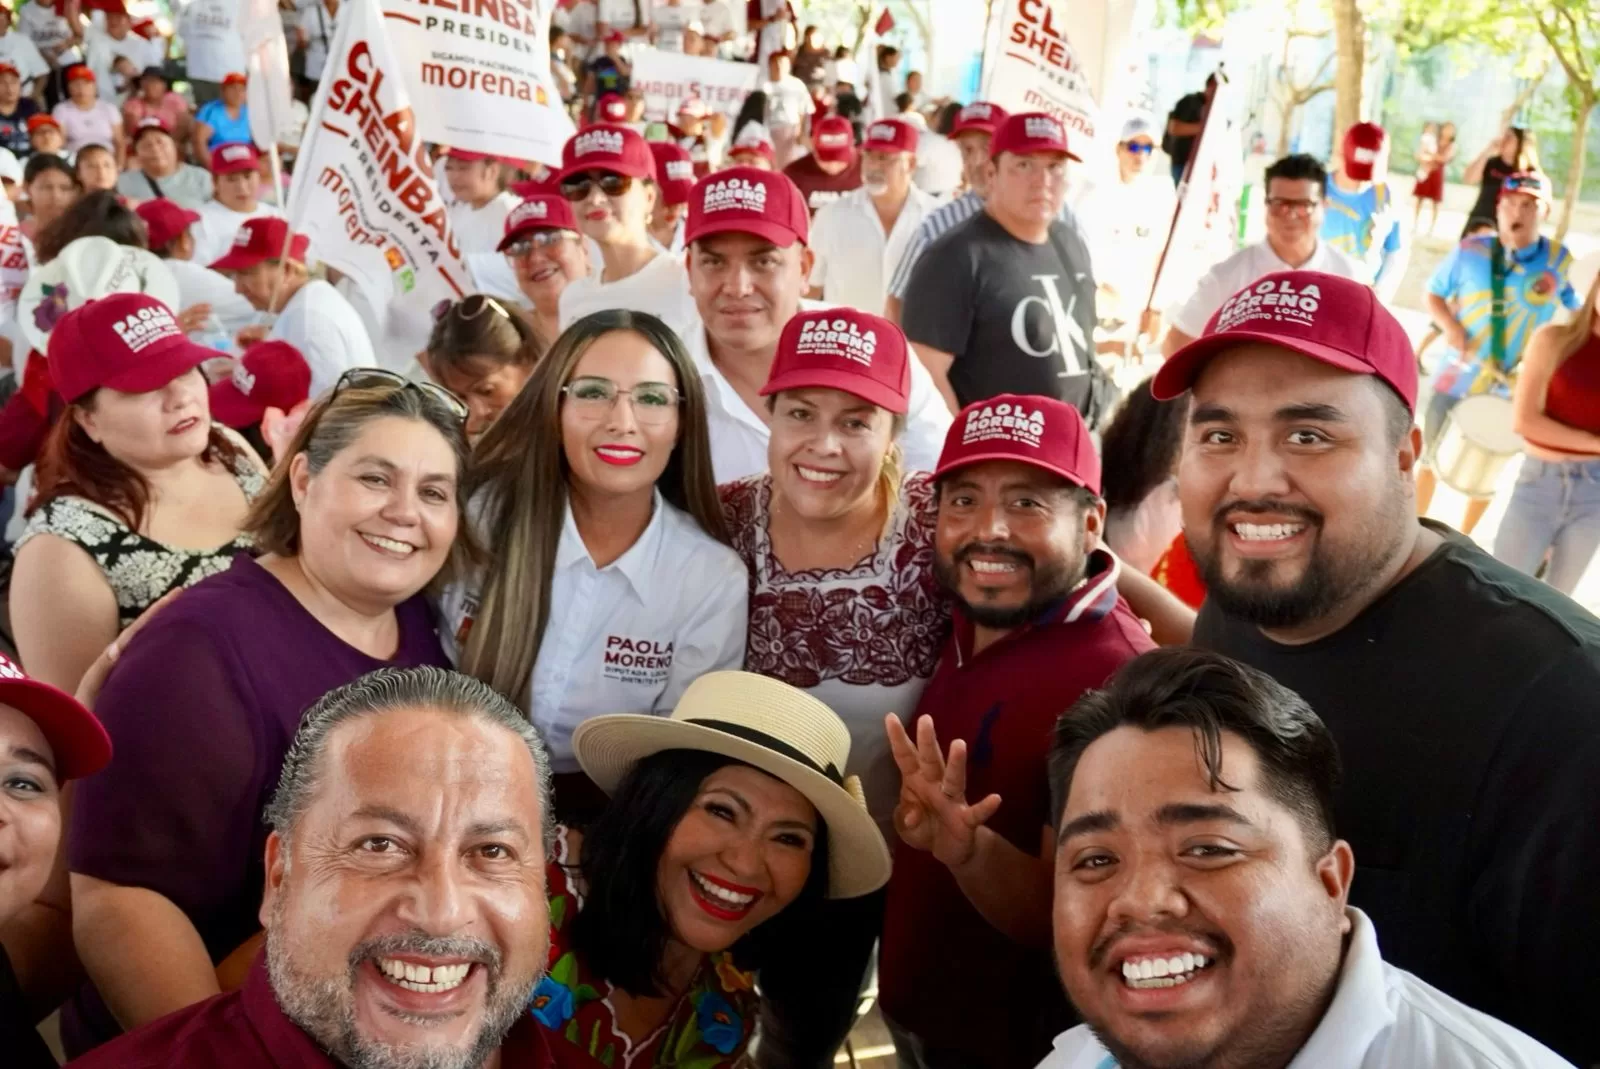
column 224, row 129
column 1363, row 225
column 1535, row 287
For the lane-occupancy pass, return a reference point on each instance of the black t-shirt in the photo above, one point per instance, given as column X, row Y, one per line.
column 20, row 1042
column 14, row 128
column 1466, row 706
column 1017, row 317
column 609, row 77
column 1495, row 172
column 1188, row 109
column 818, row 185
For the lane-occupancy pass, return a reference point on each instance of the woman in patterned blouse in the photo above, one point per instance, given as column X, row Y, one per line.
column 138, row 491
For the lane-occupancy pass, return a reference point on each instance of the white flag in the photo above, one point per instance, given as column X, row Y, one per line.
column 364, row 190
column 267, row 64
column 1206, row 227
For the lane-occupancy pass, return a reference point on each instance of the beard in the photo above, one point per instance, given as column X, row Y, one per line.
column 1050, row 581
column 324, row 1008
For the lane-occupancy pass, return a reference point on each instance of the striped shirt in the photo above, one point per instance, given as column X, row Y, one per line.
column 940, row 221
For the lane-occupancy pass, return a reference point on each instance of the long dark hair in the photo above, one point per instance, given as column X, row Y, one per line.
column 621, row 931
column 94, row 215
column 754, row 109
column 1140, row 449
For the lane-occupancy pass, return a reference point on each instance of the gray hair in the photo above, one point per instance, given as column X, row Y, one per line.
column 385, row 690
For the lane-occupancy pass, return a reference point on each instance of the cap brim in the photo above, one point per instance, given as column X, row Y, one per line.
column 234, row 168
column 159, row 366
column 231, row 408
column 979, row 458
column 1177, row 375
column 77, row 739
column 856, row 385
column 524, row 230
column 776, row 233
column 607, row 748
column 238, row 260
column 636, row 172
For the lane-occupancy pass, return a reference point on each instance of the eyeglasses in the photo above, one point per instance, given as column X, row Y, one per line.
column 365, row 378
column 1288, row 206
column 577, row 187
column 1139, row 148
column 539, row 239
column 653, row 402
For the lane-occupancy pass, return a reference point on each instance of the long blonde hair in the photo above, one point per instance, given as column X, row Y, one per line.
column 519, row 482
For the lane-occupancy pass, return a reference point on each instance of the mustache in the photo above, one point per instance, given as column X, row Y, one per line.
column 1219, row 946
column 422, row 944
column 991, row 549
column 1269, row 507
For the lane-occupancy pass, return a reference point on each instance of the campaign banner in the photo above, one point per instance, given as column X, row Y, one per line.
column 364, row 189
column 1058, row 56
column 479, row 75
column 1205, row 229
column 14, row 268
column 667, row 79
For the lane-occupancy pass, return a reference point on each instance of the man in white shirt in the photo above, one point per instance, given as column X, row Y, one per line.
column 1200, row 901
column 236, row 184
column 478, row 216
column 748, row 263
column 18, row 49
column 167, row 226
column 311, row 314
column 859, row 238
column 789, row 107
column 670, row 20
column 1297, row 187
column 52, row 34
column 581, row 22
column 117, row 55
column 716, row 24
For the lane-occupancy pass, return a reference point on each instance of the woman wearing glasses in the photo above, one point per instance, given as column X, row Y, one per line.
column 611, row 585
column 608, row 176
column 165, row 849
column 482, row 352
column 547, row 252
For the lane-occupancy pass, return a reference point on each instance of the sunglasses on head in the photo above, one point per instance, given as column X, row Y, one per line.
column 579, row 186
column 367, row 378
column 469, row 308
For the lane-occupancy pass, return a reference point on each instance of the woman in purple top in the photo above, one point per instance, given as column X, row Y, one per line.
column 165, row 848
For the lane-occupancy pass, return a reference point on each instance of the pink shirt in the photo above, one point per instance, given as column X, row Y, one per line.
column 171, row 109
column 96, row 126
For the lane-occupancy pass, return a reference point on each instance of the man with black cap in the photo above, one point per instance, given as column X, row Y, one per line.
column 1461, row 692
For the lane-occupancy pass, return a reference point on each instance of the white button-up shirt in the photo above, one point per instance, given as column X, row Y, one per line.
column 629, row 637
column 739, row 436
column 1381, row 1017
column 854, row 257
column 660, row 287
column 1246, row 266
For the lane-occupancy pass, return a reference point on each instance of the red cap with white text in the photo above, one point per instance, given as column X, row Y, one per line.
column 1040, row 431
column 833, row 140
column 844, row 349
column 538, row 212
column 890, row 135
column 164, row 221
column 233, row 157
column 607, row 147
column 1333, row 320
column 78, row 742
column 980, row 116
column 674, row 171
column 611, row 108
column 261, row 239
column 130, row 342
column 1363, row 145
column 270, row 374
column 1030, row 132
column 749, row 200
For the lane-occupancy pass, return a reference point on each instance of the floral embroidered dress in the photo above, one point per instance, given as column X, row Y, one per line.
column 863, row 640
column 709, row 1028
column 140, row 570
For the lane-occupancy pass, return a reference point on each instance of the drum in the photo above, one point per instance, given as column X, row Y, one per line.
column 1475, row 444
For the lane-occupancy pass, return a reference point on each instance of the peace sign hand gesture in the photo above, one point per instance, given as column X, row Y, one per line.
column 933, row 813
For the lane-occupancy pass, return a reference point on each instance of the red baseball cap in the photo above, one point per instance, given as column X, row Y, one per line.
column 9, row 68
column 151, row 122
column 612, row 108
column 890, row 135
column 78, row 741
column 128, row 341
column 35, row 122
column 607, row 147
column 79, row 72
column 1333, row 320
column 236, row 78
column 164, row 220
column 1029, row 132
column 1363, row 144
column 233, row 157
column 748, row 200
column 844, row 349
column 980, row 116
column 833, row 140
column 1041, row 431
column 674, row 171
column 542, row 211
column 261, row 239
column 755, row 141
column 270, row 374
column 466, row 155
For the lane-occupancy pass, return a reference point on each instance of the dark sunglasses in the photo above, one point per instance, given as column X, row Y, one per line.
column 364, row 378
column 1139, row 148
column 578, row 186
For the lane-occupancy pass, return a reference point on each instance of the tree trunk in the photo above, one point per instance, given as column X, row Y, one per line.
column 1580, row 132
column 1288, row 108
column 1350, row 44
column 1530, row 86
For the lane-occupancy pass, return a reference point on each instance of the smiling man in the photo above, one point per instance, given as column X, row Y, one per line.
column 1461, row 691
column 406, row 923
column 1200, row 910
column 964, row 971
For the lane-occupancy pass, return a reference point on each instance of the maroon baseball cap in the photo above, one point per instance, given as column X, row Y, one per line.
column 674, row 171
column 233, row 157
column 1029, row 132
column 833, row 140
column 77, row 740
column 980, row 116
column 128, row 341
column 844, row 349
column 1334, row 320
column 151, row 122
column 259, row 239
column 748, row 200
column 890, row 135
column 607, row 147
column 612, row 108
column 164, row 220
column 1363, row 144
column 270, row 374
column 1041, row 431
column 539, row 212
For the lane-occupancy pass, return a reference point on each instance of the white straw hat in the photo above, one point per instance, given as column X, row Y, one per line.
column 86, row 270
column 768, row 725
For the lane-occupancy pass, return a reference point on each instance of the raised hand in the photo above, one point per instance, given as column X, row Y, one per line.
column 933, row 813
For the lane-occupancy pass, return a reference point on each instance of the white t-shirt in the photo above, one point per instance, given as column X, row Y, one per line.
column 212, row 46
column 18, row 49
column 327, row 331
column 854, row 257
column 213, row 234
column 661, row 288
column 671, row 21
column 938, row 170
column 716, row 19
column 629, row 637
column 101, row 52
column 1126, row 224
column 1381, row 1017
column 788, row 101
column 1246, row 266
column 319, row 27
column 580, row 21
column 198, row 284
column 43, row 26
column 480, row 229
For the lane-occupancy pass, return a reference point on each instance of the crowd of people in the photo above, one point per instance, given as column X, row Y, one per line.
column 759, row 598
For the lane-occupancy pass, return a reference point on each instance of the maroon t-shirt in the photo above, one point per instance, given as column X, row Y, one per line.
column 201, row 708
column 944, row 973
column 818, row 185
